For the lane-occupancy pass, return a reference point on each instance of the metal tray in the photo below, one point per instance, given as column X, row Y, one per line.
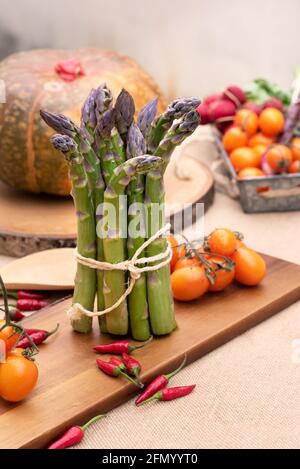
column 279, row 193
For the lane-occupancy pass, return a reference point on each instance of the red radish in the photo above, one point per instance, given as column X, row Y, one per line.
column 212, row 98
column 273, row 102
column 251, row 106
column 235, row 94
column 203, row 110
column 220, row 109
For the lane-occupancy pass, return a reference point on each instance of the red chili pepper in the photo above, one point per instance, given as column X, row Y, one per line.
column 116, row 361
column 169, row 394
column 16, row 315
column 157, row 384
column 123, row 346
column 114, row 370
column 25, row 295
column 133, row 367
column 74, row 435
column 33, row 331
column 37, row 337
column 31, row 304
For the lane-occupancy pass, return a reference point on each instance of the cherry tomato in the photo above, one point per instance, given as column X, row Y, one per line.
column 222, row 276
column 9, row 336
column 187, row 262
column 189, row 283
column 222, row 241
column 18, row 377
column 178, row 251
column 250, row 268
column 174, row 243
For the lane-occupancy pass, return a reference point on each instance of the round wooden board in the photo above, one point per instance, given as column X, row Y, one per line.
column 31, row 223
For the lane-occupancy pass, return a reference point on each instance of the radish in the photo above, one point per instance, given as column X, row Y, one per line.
column 235, row 94
column 221, row 109
column 203, row 110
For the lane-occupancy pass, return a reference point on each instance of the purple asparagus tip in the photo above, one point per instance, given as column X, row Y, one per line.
column 60, row 123
column 125, row 110
column 136, row 145
column 63, row 143
column 146, row 116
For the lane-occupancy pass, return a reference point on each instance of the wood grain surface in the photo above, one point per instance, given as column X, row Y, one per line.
column 30, row 223
column 71, row 389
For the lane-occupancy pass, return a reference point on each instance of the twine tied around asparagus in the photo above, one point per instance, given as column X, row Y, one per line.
column 130, row 265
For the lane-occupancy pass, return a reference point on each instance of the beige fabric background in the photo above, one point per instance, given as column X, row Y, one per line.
column 247, row 393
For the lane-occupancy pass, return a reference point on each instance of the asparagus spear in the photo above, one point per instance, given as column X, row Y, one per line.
column 146, row 117
column 105, row 151
column 125, row 110
column 89, row 124
column 178, row 132
column 103, row 100
column 137, row 300
column 160, row 306
column 85, row 281
column 175, row 110
column 64, row 125
column 114, row 247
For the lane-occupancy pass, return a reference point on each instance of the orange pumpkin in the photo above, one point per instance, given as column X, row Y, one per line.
column 27, row 159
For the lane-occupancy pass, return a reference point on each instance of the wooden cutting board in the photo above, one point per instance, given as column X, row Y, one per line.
column 71, row 389
column 31, row 223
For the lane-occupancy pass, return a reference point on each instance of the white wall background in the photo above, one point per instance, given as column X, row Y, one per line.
column 189, row 46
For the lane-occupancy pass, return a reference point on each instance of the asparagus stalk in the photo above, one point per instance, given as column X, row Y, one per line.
column 175, row 110
column 160, row 306
column 178, row 132
column 89, row 124
column 114, row 247
column 85, row 281
column 64, row 125
column 137, row 300
column 103, row 140
column 146, row 117
column 125, row 110
column 83, row 138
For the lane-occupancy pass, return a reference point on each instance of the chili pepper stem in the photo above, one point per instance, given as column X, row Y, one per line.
column 90, row 422
column 173, row 373
column 136, row 347
column 137, row 383
column 152, row 398
column 53, row 331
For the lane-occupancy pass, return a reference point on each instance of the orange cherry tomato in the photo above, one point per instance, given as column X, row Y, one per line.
column 234, row 138
column 240, row 243
column 259, row 150
column 271, row 121
column 222, row 241
column 279, row 157
column 18, row 377
column 295, row 148
column 9, row 336
column 260, row 139
column 294, row 167
column 174, row 243
column 250, row 172
column 250, row 268
column 243, row 158
column 187, row 262
column 222, row 277
column 247, row 120
column 189, row 283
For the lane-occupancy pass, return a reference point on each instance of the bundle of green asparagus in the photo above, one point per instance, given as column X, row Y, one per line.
column 119, row 163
